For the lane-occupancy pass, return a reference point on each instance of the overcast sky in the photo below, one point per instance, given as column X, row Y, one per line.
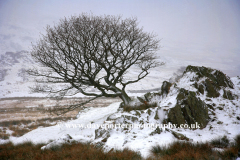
column 203, row 31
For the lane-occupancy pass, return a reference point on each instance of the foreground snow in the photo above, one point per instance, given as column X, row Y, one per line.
column 136, row 139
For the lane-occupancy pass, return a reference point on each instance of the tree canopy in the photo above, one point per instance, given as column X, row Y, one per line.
column 87, row 52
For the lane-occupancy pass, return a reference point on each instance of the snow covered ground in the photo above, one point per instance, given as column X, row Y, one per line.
column 84, row 128
column 15, row 83
column 86, row 117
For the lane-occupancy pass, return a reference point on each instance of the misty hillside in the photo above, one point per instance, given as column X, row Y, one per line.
column 15, row 82
column 13, row 76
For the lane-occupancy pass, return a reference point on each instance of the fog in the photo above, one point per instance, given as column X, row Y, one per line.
column 204, row 32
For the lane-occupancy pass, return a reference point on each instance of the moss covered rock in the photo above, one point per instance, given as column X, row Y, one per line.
column 217, row 77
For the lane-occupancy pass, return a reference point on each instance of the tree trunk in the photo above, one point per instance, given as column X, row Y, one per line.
column 126, row 99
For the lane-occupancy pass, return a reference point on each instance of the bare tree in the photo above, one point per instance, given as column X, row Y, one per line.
column 85, row 52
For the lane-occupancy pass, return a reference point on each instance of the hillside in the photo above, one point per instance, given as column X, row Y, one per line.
column 204, row 99
column 15, row 82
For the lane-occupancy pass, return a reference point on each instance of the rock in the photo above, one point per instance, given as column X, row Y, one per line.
column 201, row 89
column 189, row 109
column 142, row 100
column 148, row 96
column 165, row 88
column 228, row 95
column 195, row 110
column 182, row 95
column 178, row 135
column 215, row 80
column 101, row 133
column 175, row 115
column 156, row 115
column 218, row 77
column 212, row 90
column 156, row 131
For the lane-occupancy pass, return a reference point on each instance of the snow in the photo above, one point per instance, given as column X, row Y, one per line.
column 86, row 117
column 139, row 139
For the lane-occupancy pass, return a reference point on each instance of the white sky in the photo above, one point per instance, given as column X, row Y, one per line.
column 203, row 31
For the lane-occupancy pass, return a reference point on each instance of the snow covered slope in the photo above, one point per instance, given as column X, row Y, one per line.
column 14, row 80
column 140, row 129
column 146, row 128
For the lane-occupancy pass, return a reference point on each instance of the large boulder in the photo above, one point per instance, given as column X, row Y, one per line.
column 175, row 115
column 189, row 110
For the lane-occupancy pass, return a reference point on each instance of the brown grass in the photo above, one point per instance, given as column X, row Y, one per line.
column 142, row 106
column 187, row 150
column 3, row 133
column 177, row 150
column 183, row 150
column 29, row 108
column 221, row 142
column 67, row 151
column 21, row 127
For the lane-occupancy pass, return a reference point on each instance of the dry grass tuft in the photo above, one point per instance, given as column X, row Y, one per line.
column 183, row 150
column 221, row 142
column 123, row 154
column 69, row 152
column 142, row 106
column 3, row 133
column 188, row 150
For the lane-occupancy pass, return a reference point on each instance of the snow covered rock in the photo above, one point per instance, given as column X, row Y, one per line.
column 189, row 109
column 212, row 80
column 66, row 139
column 201, row 96
column 140, row 128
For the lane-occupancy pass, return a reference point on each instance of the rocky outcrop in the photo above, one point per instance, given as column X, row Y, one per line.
column 175, row 115
column 189, row 109
column 214, row 80
column 189, row 103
